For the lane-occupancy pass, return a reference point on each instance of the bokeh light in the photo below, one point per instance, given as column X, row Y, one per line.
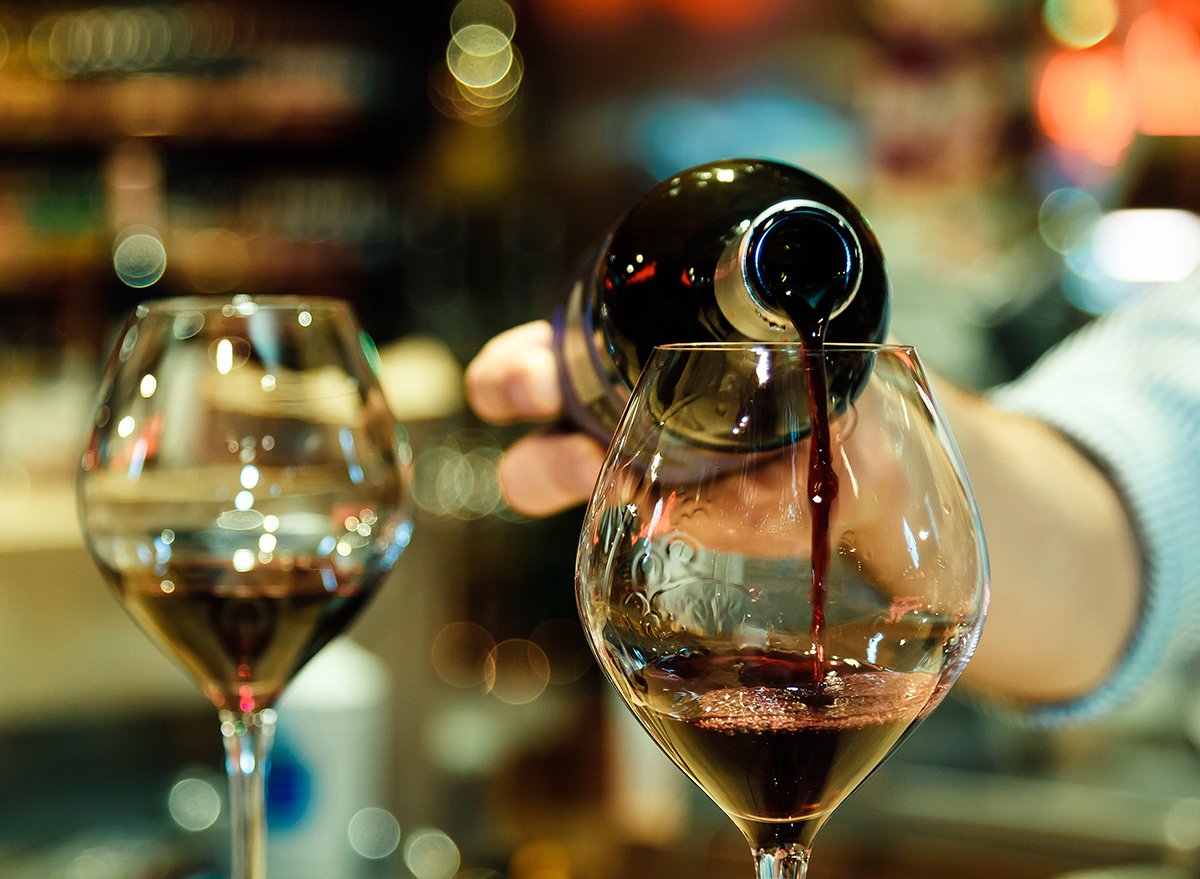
column 517, row 671
column 1127, row 253
column 188, row 324
column 1085, row 103
column 458, row 477
column 1162, row 57
column 108, row 39
column 431, row 854
column 224, row 356
column 460, row 652
column 140, row 259
column 374, row 833
column 479, row 55
column 494, row 13
column 1148, row 245
column 497, row 94
column 228, row 354
column 243, row 560
column 451, row 98
column 478, row 78
column 194, row 804
column 1066, row 217
column 1078, row 24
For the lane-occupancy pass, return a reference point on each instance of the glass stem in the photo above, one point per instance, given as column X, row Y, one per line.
column 248, row 738
column 781, row 863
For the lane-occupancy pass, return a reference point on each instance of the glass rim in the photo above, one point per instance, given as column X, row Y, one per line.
column 789, row 347
column 239, row 303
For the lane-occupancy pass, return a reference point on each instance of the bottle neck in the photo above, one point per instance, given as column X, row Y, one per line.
column 594, row 391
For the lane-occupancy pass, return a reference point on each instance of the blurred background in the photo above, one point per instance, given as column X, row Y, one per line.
column 1027, row 165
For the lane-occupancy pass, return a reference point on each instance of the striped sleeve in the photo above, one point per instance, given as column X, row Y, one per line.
column 1127, row 389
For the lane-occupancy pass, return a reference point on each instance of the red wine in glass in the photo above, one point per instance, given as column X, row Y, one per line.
column 778, row 646
column 777, row 748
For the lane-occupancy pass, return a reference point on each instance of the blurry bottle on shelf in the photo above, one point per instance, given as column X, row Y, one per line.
column 329, row 766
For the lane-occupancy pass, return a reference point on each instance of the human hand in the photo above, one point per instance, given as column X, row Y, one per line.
column 514, row 378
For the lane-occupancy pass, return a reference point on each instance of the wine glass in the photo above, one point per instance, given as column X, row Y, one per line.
column 780, row 584
column 244, row 491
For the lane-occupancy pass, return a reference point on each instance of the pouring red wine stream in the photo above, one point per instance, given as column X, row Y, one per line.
column 808, row 268
column 734, row 250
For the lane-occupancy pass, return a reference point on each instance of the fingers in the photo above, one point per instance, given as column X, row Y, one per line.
column 514, row 376
column 546, row 473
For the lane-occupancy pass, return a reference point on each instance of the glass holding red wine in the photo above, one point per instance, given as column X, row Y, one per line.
column 782, row 584
column 244, row 489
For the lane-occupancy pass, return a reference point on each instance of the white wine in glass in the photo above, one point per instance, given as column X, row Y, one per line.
column 244, row 489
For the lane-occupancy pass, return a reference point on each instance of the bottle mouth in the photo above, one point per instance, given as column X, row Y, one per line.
column 804, row 254
column 795, row 250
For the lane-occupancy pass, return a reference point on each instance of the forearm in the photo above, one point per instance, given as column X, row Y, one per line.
column 1065, row 568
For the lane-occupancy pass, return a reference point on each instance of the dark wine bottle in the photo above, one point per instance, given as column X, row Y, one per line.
column 734, row 250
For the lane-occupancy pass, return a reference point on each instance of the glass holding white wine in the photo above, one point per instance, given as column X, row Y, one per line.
column 244, row 489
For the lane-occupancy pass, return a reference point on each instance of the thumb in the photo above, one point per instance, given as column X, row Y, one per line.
column 546, row 473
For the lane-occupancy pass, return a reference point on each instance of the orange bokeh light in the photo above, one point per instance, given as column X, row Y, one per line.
column 1097, row 100
column 1085, row 102
column 1187, row 9
column 1162, row 61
